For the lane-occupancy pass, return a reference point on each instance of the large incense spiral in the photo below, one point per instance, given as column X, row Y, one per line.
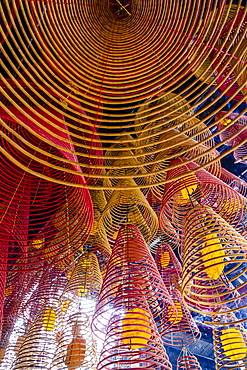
column 82, row 76
column 214, row 258
column 132, row 272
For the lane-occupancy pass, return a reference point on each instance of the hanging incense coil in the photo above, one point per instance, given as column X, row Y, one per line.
column 42, row 222
column 19, row 286
column 83, row 287
column 236, row 133
column 187, row 361
column 125, row 207
column 47, row 291
column 131, row 271
column 214, row 257
column 235, row 182
column 184, row 330
column 230, row 349
column 132, row 338
column 39, row 344
column 79, row 92
column 180, row 146
column 169, row 267
column 76, row 347
column 198, row 187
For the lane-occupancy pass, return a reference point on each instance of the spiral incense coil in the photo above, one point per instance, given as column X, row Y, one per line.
column 47, row 291
column 42, row 222
column 39, row 344
column 169, row 267
column 187, row 361
column 125, row 207
column 156, row 107
column 230, row 349
column 81, row 89
column 202, row 65
column 76, row 347
column 19, row 286
column 184, row 330
column 98, row 243
column 235, row 131
column 230, row 66
column 132, row 272
column 196, row 188
column 132, row 338
column 214, row 257
column 83, row 286
column 181, row 146
column 235, row 182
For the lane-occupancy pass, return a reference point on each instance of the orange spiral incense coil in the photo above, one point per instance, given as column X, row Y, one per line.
column 214, row 257
column 132, row 338
column 196, row 188
column 85, row 89
column 131, row 272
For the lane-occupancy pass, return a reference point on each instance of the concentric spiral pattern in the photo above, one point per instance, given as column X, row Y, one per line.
column 80, row 75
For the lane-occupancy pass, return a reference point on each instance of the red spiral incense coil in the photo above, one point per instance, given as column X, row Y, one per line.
column 169, row 267
column 131, row 272
column 187, row 361
column 184, row 330
column 132, row 338
column 42, row 222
